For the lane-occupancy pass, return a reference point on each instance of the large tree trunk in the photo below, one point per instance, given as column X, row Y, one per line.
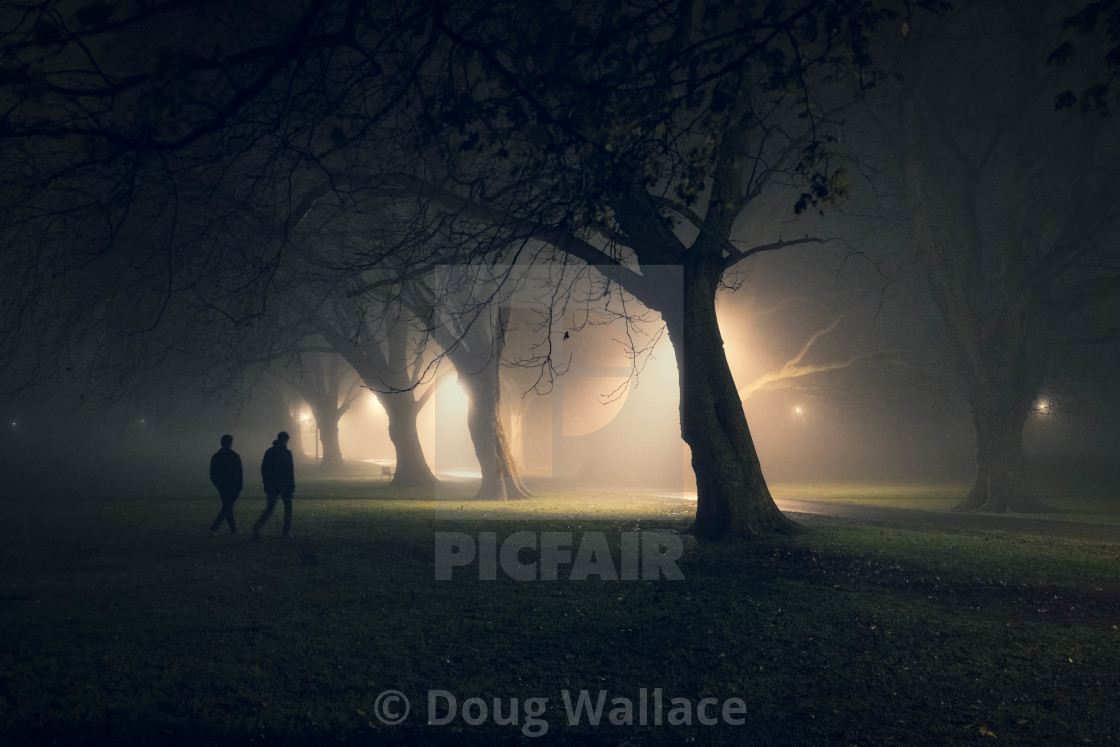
column 371, row 362
column 732, row 499
column 1000, row 409
column 477, row 356
column 501, row 479
column 327, row 421
column 412, row 471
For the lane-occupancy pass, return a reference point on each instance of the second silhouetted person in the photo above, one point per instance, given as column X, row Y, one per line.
column 278, row 474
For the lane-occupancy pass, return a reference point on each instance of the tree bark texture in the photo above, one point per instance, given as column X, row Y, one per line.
column 501, row 479
column 732, row 498
column 477, row 356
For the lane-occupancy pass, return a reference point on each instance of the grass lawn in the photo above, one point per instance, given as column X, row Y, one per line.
column 1092, row 504
column 124, row 622
column 925, row 497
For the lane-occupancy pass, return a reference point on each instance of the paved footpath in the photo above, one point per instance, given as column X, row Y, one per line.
column 1045, row 527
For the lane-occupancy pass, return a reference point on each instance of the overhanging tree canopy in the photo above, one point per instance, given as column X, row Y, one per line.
column 629, row 136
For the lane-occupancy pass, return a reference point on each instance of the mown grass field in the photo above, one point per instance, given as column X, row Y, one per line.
column 124, row 622
column 1089, row 504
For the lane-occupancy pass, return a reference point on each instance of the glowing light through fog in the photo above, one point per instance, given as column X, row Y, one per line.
column 589, row 403
column 459, row 474
column 444, row 433
column 799, row 413
column 309, row 432
column 363, row 432
column 453, row 396
column 1044, row 406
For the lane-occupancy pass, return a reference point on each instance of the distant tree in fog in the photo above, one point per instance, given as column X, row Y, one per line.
column 329, row 386
column 464, row 315
column 387, row 346
column 1015, row 212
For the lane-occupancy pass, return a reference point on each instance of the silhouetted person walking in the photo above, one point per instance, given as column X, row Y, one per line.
column 279, row 478
column 225, row 473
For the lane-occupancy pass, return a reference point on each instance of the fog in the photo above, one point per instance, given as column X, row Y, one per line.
column 873, row 398
column 905, row 328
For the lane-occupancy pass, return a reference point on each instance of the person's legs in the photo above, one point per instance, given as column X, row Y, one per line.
column 287, row 513
column 227, row 509
column 265, row 515
column 226, row 514
column 219, row 518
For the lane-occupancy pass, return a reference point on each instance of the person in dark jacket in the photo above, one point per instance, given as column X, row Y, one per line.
column 225, row 473
column 279, row 478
